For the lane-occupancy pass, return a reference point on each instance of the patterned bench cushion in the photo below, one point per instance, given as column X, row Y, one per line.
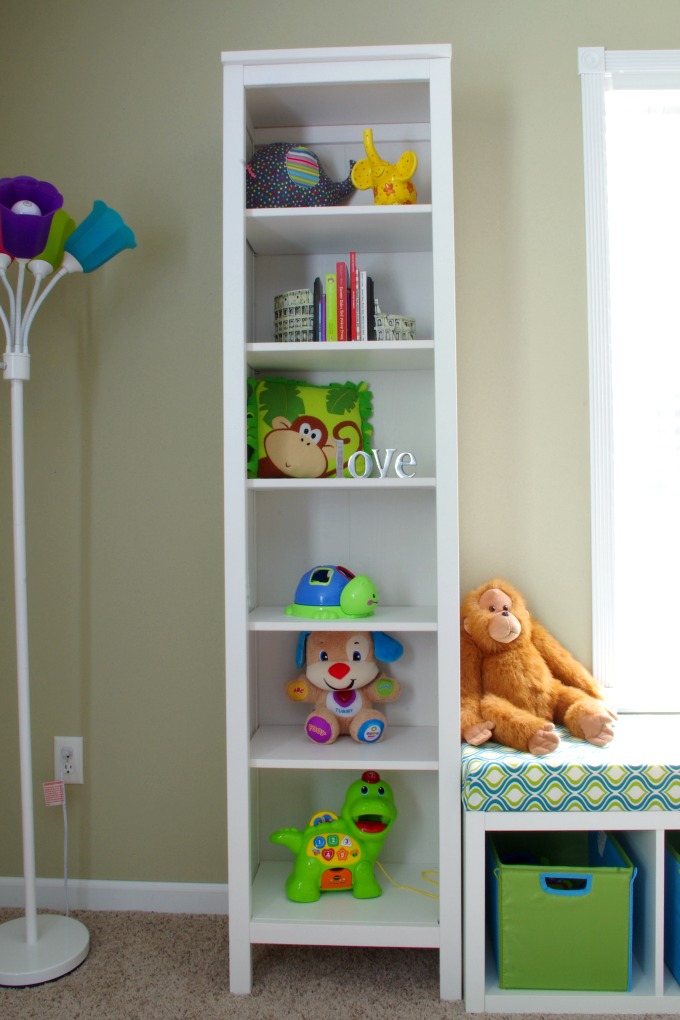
column 638, row 771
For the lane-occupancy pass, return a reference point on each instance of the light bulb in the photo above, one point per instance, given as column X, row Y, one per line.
column 24, row 207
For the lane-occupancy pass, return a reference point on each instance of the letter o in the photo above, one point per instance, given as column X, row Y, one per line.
column 368, row 464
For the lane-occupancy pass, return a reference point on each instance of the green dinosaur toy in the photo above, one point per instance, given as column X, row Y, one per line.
column 339, row 853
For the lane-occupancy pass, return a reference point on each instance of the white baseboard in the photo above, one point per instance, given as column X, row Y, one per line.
column 87, row 894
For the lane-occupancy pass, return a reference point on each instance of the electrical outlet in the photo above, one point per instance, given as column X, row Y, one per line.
column 68, row 759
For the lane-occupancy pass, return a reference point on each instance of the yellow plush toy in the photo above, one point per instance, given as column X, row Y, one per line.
column 517, row 681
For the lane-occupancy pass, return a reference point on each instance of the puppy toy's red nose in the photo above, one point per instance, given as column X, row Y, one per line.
column 339, row 670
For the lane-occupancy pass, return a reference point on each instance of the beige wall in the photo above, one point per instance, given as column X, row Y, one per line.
column 123, row 102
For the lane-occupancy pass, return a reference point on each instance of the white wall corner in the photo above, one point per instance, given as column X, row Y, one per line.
column 152, row 897
column 591, row 60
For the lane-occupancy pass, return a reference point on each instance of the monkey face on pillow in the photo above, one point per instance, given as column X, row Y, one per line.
column 298, row 449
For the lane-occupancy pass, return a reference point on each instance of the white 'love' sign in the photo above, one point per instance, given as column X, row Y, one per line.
column 370, row 460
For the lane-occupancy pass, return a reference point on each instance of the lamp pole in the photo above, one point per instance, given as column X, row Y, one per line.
column 32, row 949
column 18, row 372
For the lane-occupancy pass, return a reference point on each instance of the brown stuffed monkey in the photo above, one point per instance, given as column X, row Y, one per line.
column 517, row 681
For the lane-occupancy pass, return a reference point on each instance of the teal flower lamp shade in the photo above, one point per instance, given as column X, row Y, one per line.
column 97, row 239
column 27, row 207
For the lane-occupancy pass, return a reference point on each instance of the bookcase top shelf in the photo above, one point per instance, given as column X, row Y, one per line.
column 329, row 54
column 335, row 105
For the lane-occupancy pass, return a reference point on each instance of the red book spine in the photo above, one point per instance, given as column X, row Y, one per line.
column 353, row 287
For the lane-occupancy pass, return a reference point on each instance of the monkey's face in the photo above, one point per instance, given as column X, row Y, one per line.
column 340, row 662
column 490, row 616
column 300, row 449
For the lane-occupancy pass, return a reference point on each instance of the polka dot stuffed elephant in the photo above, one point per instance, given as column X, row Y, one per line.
column 284, row 174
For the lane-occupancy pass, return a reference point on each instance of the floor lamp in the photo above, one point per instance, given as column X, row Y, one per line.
column 41, row 239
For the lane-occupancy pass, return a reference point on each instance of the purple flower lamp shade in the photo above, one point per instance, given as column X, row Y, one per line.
column 26, row 210
column 97, row 239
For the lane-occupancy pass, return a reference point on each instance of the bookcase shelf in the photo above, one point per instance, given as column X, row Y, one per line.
column 362, row 356
column 406, row 618
column 356, row 228
column 337, row 484
column 414, row 747
column 398, row 918
column 400, row 531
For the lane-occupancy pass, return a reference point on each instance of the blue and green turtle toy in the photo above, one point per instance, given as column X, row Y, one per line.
column 340, row 853
column 333, row 593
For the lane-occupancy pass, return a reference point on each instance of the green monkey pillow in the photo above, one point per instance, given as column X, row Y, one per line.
column 293, row 427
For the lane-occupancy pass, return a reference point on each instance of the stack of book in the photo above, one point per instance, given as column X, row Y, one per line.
column 344, row 304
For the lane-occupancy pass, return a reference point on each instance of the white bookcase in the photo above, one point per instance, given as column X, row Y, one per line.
column 402, row 532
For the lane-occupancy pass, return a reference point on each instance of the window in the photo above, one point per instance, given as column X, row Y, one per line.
column 631, row 124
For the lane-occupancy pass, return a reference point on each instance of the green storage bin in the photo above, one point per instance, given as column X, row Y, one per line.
column 560, row 908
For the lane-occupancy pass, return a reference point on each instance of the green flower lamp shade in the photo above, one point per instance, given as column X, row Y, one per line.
column 27, row 207
column 62, row 228
column 97, row 239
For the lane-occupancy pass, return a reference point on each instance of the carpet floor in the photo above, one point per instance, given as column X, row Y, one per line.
column 143, row 966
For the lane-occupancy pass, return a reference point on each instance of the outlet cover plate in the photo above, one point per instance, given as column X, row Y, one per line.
column 76, row 774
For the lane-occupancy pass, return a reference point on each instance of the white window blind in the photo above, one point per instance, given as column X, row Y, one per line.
column 631, row 122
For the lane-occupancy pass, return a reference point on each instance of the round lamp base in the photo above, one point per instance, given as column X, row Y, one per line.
column 62, row 944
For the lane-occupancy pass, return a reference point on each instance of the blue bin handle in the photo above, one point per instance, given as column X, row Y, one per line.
column 565, row 883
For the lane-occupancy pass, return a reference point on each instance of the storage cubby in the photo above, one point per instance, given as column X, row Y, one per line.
column 642, row 835
column 366, row 531
column 416, row 671
column 392, row 273
column 400, row 531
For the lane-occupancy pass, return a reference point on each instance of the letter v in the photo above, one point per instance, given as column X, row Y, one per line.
column 383, row 468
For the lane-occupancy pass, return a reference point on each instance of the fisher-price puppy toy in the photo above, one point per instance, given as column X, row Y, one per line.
column 340, row 853
column 345, row 683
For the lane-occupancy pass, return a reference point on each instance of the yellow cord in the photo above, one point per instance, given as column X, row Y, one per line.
column 407, row 888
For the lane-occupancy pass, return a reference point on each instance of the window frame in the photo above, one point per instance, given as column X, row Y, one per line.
column 601, row 70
